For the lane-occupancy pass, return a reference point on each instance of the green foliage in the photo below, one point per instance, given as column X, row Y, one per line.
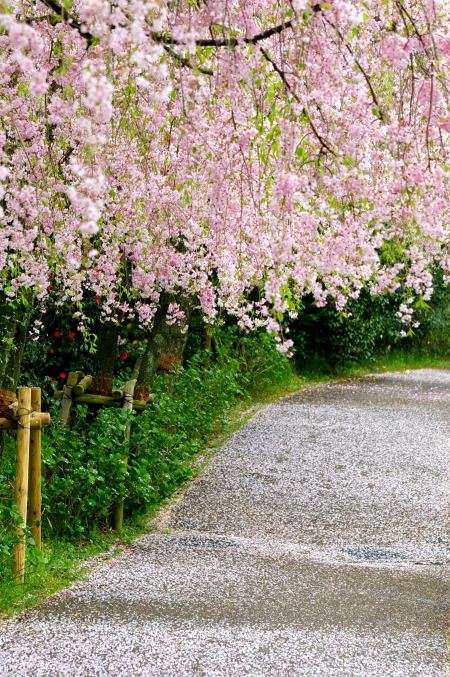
column 433, row 334
column 10, row 518
column 326, row 340
column 83, row 467
column 58, row 347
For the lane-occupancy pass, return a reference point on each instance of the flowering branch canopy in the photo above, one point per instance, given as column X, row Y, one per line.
column 213, row 148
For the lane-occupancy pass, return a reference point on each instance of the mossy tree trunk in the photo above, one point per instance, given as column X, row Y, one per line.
column 8, row 330
column 13, row 368
column 166, row 344
column 15, row 322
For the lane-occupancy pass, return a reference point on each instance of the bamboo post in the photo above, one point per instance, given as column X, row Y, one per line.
column 34, row 474
column 21, row 486
column 83, row 386
column 66, row 404
column 128, row 392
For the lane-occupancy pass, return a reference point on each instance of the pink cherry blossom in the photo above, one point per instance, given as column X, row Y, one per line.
column 301, row 148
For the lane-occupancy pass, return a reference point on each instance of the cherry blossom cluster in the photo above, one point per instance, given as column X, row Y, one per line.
column 222, row 147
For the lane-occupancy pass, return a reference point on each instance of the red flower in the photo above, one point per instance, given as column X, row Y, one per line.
column 63, row 375
column 71, row 334
column 97, row 298
column 123, row 314
column 57, row 334
column 52, row 380
column 72, row 309
column 123, row 356
column 52, row 352
column 50, row 287
column 50, row 277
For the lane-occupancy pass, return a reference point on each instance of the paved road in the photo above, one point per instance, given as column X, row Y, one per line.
column 315, row 544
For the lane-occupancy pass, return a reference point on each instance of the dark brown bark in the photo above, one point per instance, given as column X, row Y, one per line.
column 106, row 357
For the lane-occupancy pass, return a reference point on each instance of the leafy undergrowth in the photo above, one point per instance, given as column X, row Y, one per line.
column 185, row 427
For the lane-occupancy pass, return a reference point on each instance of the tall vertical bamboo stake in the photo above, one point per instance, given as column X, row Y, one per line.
column 128, row 392
column 21, row 488
column 34, row 475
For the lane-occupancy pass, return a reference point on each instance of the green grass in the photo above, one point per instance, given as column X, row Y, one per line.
column 64, row 562
column 61, row 564
column 397, row 360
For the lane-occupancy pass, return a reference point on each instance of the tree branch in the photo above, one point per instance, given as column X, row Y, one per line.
column 70, row 19
column 379, row 113
column 226, row 42
column 166, row 39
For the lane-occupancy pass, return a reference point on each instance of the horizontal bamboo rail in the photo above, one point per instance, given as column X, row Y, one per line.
column 103, row 400
column 37, row 420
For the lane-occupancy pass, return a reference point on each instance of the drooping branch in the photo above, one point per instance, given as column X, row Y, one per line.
column 167, row 39
column 379, row 113
column 287, row 84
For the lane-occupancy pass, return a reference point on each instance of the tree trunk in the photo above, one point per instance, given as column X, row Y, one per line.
column 15, row 322
column 165, row 346
column 106, row 357
column 8, row 332
column 13, row 366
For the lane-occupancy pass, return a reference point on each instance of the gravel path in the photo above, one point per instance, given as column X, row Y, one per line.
column 315, row 544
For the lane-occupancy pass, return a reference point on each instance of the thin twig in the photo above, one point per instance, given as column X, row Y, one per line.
column 185, row 62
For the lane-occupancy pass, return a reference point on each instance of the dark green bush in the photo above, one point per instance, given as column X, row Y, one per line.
column 326, row 340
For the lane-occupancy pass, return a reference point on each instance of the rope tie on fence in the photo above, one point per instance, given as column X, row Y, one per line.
column 22, row 411
column 67, row 392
